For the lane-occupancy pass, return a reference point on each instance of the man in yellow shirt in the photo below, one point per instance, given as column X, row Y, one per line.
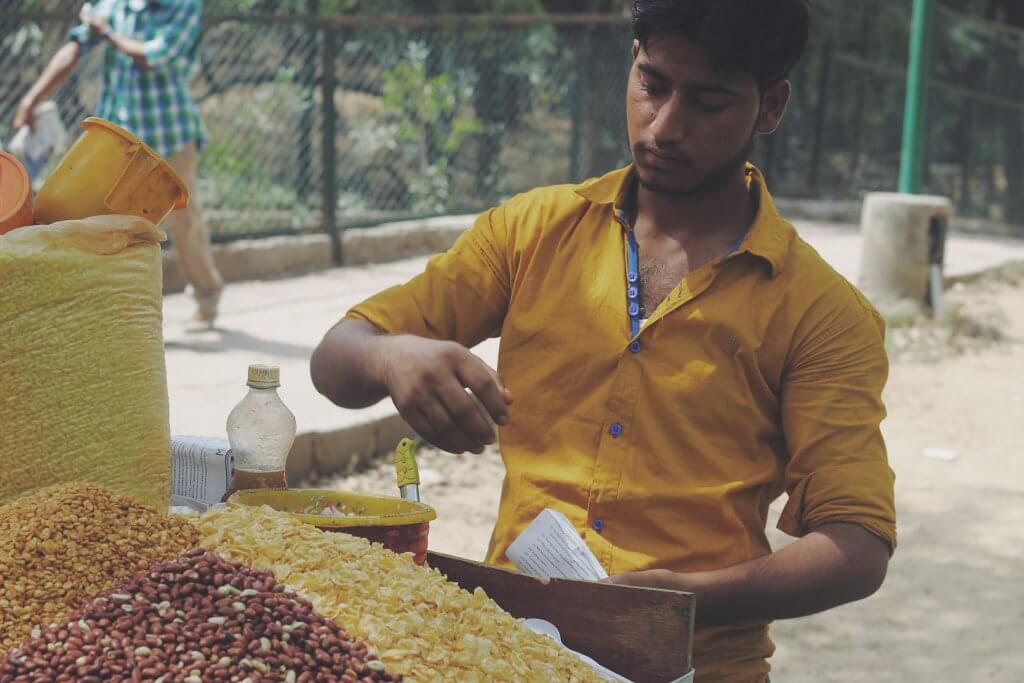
column 678, row 356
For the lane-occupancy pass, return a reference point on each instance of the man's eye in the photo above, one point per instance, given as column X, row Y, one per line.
column 710, row 107
column 651, row 88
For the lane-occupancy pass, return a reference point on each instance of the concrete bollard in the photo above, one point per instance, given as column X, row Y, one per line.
column 903, row 238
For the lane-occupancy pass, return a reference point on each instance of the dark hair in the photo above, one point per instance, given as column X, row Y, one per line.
column 764, row 38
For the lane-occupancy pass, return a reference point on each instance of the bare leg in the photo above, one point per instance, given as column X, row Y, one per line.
column 192, row 240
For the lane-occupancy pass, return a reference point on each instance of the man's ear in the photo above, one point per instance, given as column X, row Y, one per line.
column 636, row 48
column 773, row 106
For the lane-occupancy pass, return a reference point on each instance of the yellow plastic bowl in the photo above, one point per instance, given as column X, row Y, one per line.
column 110, row 171
column 399, row 525
column 368, row 510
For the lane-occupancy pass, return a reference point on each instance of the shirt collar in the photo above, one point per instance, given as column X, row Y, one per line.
column 769, row 238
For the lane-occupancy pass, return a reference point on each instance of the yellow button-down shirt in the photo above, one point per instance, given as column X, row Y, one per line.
column 760, row 373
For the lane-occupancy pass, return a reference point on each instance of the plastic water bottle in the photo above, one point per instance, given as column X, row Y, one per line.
column 261, row 430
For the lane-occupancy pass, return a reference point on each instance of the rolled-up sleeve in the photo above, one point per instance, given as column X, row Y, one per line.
column 177, row 37
column 832, row 409
column 461, row 296
column 83, row 33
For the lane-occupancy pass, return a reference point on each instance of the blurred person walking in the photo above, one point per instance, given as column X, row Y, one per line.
column 151, row 51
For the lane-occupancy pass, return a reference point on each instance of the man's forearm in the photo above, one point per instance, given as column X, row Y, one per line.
column 55, row 73
column 833, row 565
column 136, row 49
column 346, row 366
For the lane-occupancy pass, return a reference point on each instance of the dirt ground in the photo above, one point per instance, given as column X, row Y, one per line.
column 952, row 606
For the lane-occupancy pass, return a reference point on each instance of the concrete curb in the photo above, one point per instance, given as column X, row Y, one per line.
column 820, row 210
column 277, row 257
column 345, row 450
column 849, row 211
column 1010, row 271
column 287, row 256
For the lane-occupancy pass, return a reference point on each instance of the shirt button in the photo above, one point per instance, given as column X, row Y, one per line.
column 598, row 525
column 634, row 309
column 615, row 429
column 632, row 292
column 634, row 347
column 632, row 277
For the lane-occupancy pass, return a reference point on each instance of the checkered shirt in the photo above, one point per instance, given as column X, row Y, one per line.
column 153, row 104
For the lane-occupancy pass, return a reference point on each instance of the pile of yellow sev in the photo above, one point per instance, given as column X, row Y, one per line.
column 420, row 624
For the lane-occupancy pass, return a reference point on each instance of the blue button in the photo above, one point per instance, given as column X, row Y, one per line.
column 632, row 292
column 634, row 309
column 634, row 347
column 615, row 429
column 632, row 277
column 598, row 525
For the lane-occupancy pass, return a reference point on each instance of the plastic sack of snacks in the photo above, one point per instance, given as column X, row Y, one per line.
column 84, row 390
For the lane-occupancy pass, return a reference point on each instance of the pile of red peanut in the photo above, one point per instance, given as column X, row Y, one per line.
column 189, row 620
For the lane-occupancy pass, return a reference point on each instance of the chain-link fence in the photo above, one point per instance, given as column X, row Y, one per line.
column 402, row 116
column 391, row 118
column 843, row 131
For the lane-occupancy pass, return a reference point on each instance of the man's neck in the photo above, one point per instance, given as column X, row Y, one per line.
column 722, row 215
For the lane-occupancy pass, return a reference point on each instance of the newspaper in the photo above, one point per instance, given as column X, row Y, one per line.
column 552, row 548
column 202, row 468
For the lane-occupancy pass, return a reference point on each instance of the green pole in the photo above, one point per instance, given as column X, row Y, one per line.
column 915, row 114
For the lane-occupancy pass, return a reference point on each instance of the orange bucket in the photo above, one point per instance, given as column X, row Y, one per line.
column 399, row 525
column 15, row 194
column 110, row 171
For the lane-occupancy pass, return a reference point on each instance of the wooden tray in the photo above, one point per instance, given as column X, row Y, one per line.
column 644, row 634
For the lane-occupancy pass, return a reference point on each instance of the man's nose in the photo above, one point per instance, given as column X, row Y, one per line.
column 671, row 122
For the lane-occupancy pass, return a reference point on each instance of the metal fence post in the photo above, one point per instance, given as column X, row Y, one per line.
column 576, row 106
column 820, row 113
column 922, row 27
column 328, row 143
column 307, row 81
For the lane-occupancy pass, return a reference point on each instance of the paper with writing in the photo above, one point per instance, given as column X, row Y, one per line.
column 201, row 469
column 551, row 548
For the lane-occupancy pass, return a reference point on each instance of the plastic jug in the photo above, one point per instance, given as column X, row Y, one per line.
column 15, row 194
column 34, row 146
column 110, row 171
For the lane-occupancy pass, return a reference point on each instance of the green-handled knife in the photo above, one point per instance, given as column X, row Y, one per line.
column 407, row 472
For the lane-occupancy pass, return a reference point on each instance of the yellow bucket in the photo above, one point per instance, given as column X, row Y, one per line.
column 399, row 525
column 109, row 171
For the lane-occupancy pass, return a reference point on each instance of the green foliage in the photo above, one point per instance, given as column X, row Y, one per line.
column 376, row 7
column 26, row 42
column 431, row 122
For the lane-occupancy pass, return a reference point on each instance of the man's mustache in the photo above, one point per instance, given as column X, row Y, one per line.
column 665, row 151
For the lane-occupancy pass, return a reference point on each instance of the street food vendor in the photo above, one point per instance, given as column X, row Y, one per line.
column 673, row 355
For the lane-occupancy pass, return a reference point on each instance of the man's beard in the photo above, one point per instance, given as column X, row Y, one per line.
column 712, row 182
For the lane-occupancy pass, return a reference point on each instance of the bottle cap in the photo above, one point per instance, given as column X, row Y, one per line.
column 264, row 377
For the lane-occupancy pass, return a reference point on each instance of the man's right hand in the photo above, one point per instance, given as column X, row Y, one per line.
column 427, row 380
column 26, row 113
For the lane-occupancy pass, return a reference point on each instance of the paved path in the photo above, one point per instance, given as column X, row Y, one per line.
column 281, row 322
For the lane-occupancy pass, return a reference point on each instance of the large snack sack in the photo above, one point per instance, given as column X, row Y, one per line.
column 83, row 387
